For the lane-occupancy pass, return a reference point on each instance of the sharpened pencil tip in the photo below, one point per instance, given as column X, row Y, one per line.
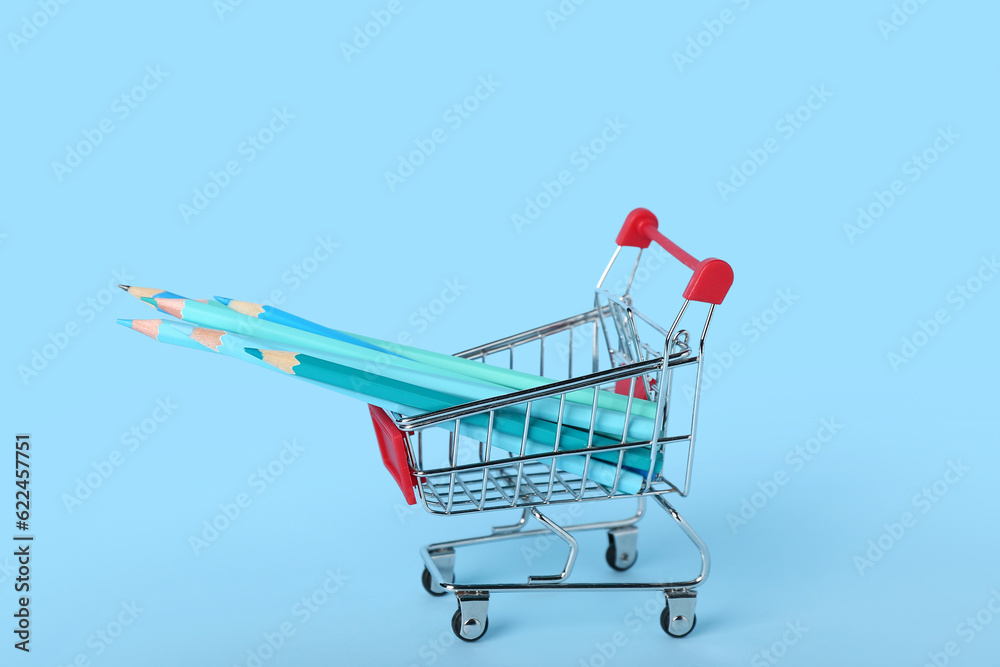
column 125, row 323
column 222, row 299
column 254, row 352
column 124, row 287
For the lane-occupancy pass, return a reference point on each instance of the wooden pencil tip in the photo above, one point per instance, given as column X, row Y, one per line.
column 150, row 328
column 245, row 307
column 280, row 359
column 173, row 307
column 144, row 293
column 210, row 338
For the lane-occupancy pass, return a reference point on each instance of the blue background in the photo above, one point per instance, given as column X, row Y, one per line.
column 685, row 126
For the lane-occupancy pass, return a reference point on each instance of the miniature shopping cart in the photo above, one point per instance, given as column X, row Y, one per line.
column 626, row 353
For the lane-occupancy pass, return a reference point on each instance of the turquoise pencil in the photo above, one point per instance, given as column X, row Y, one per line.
column 232, row 345
column 278, row 316
column 507, row 427
column 458, row 367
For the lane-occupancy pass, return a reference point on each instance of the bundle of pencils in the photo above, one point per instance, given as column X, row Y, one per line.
column 408, row 380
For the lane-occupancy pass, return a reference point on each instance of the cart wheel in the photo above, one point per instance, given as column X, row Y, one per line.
column 611, row 555
column 456, row 627
column 425, row 579
column 665, row 623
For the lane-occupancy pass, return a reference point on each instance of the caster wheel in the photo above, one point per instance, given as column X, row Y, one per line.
column 612, row 557
column 456, row 627
column 425, row 579
column 665, row 623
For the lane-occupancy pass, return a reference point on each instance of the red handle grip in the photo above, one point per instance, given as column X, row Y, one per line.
column 712, row 277
column 392, row 445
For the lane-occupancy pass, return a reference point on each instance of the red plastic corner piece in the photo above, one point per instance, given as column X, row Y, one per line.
column 621, row 387
column 392, row 445
column 711, row 281
column 633, row 232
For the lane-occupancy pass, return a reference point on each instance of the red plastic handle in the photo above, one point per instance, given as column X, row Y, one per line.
column 712, row 277
column 392, row 445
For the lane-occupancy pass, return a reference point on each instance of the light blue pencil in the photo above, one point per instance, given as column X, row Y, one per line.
column 278, row 316
column 232, row 345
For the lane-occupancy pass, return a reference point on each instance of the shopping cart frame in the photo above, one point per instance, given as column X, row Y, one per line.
column 637, row 370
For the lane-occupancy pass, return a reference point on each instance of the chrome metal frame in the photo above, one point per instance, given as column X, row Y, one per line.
column 524, row 480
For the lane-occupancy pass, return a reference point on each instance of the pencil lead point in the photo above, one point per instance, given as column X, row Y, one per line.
column 223, row 300
column 254, row 352
column 125, row 323
column 124, row 287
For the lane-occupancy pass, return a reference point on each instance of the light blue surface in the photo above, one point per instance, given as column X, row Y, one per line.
column 287, row 141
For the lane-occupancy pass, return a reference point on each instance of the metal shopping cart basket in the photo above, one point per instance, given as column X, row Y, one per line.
column 630, row 355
